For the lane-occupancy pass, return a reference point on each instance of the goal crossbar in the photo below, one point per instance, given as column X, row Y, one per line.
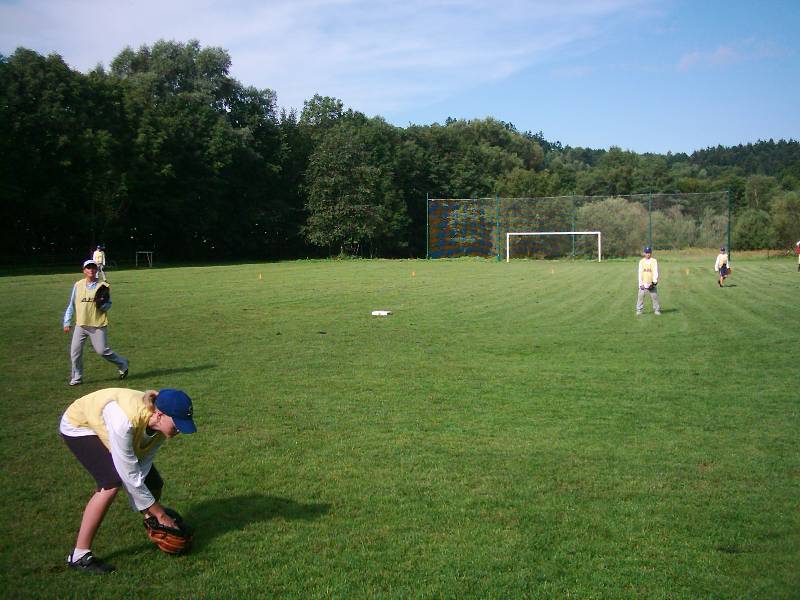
column 530, row 233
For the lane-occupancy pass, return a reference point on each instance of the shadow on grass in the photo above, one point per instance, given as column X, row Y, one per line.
column 215, row 517
column 161, row 372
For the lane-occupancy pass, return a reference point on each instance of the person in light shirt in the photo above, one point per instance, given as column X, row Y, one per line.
column 648, row 280
column 723, row 265
column 115, row 434
column 99, row 258
column 91, row 321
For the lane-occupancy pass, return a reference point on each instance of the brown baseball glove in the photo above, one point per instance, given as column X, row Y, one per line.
column 168, row 539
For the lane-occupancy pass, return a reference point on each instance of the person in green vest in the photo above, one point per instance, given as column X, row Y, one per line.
column 91, row 321
column 115, row 433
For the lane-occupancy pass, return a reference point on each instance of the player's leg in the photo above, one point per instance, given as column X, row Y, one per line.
column 654, row 299
column 99, row 338
column 640, row 302
column 79, row 335
column 96, row 459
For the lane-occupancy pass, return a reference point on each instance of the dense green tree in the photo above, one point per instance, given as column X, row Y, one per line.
column 353, row 206
column 167, row 151
column 753, row 230
column 785, row 213
column 758, row 191
column 623, row 223
column 206, row 153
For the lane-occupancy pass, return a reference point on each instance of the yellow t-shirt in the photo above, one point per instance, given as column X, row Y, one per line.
column 86, row 312
column 87, row 411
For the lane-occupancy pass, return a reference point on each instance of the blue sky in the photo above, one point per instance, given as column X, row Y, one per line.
column 645, row 75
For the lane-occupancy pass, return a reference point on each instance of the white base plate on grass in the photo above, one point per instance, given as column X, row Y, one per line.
column 381, row 313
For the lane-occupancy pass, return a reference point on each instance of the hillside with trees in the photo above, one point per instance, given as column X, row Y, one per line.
column 164, row 150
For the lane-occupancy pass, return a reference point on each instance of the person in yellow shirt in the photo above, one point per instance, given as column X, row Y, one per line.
column 99, row 258
column 91, row 321
column 115, row 434
column 648, row 280
column 722, row 266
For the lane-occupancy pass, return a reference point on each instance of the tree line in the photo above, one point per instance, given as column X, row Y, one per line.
column 165, row 151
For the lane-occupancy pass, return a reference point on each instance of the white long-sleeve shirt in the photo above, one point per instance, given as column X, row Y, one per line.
column 131, row 469
column 722, row 259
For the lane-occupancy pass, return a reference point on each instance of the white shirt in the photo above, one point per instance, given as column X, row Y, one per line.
column 131, row 469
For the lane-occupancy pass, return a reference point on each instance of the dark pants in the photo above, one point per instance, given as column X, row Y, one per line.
column 96, row 459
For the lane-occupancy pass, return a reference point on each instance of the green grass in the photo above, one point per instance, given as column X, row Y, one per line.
column 510, row 431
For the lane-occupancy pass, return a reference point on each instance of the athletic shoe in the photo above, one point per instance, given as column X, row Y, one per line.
column 123, row 374
column 76, row 382
column 90, row 564
column 658, row 313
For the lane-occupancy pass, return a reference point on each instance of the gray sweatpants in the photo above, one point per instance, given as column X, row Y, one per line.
column 98, row 337
column 653, row 297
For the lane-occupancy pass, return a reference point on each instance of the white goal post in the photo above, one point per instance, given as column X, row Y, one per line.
column 527, row 233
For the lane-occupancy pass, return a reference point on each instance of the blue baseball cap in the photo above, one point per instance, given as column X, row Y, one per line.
column 178, row 405
column 648, row 250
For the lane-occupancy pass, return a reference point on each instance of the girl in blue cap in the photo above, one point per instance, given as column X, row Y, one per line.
column 115, row 434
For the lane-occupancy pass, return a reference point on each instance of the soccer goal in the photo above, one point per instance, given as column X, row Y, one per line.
column 511, row 234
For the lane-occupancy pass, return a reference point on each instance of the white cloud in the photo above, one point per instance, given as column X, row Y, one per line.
column 749, row 49
column 376, row 55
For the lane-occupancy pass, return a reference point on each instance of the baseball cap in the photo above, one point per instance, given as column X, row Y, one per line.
column 648, row 250
column 178, row 405
column 89, row 262
column 722, row 249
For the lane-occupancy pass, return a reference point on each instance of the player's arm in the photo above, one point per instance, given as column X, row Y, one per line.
column 131, row 470
column 70, row 310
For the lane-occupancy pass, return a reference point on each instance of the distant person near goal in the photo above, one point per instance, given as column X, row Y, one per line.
column 648, row 280
column 723, row 265
column 99, row 258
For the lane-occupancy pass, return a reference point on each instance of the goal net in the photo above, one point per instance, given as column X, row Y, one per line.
column 478, row 226
column 512, row 249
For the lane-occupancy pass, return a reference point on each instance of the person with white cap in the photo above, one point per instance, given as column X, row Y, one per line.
column 722, row 266
column 89, row 303
column 115, row 433
column 648, row 280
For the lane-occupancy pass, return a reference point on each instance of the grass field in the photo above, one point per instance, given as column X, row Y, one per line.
column 510, row 431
